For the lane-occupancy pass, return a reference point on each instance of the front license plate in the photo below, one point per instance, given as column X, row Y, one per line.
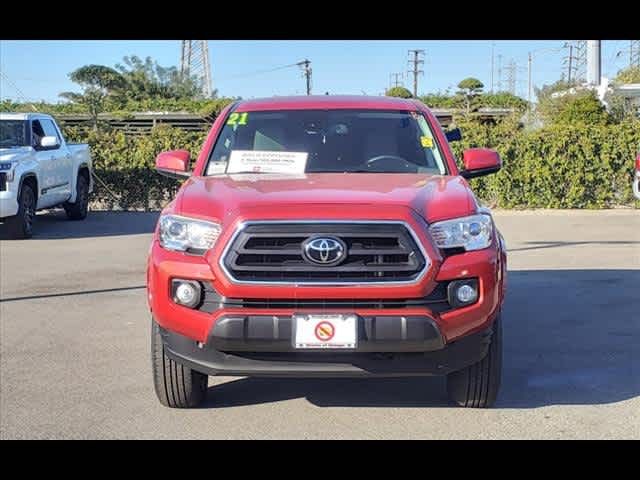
column 325, row 331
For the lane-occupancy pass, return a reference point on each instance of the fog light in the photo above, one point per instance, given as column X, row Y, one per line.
column 466, row 294
column 186, row 293
column 461, row 293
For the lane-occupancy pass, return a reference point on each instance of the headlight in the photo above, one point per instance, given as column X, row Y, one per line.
column 187, row 234
column 7, row 167
column 470, row 233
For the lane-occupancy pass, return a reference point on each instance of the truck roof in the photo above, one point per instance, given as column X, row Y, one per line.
column 22, row 116
column 326, row 102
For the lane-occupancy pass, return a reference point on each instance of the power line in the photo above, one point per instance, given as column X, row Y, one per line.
column 18, row 91
column 260, row 72
column 416, row 68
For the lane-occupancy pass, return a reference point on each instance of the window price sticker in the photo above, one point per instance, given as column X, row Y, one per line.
column 259, row 161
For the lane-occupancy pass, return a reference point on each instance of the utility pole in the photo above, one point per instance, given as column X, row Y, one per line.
column 569, row 61
column 306, row 71
column 529, row 82
column 416, row 68
column 499, row 73
column 395, row 82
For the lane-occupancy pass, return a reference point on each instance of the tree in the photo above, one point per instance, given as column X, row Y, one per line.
column 469, row 88
column 630, row 74
column 147, row 80
column 99, row 84
column 400, row 92
column 581, row 107
column 621, row 106
column 543, row 94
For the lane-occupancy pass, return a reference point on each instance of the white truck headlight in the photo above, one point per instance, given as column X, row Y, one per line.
column 470, row 233
column 189, row 235
column 7, row 168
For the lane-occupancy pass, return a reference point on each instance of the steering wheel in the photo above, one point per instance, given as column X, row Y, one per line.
column 391, row 163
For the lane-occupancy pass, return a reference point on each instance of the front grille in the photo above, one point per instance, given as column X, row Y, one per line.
column 3, row 181
column 375, row 252
column 436, row 301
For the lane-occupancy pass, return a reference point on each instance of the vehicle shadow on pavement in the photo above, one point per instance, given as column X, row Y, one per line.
column 571, row 338
column 53, row 224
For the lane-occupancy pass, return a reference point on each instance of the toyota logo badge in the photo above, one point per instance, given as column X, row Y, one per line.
column 324, row 250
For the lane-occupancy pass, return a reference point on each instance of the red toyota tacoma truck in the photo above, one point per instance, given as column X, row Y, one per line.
column 326, row 236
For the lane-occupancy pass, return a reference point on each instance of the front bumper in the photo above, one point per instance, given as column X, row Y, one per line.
column 440, row 360
column 487, row 266
column 8, row 204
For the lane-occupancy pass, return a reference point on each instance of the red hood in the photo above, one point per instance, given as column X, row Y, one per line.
column 218, row 197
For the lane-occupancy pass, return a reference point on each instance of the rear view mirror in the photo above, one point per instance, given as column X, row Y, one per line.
column 174, row 163
column 454, row 135
column 49, row 142
column 479, row 162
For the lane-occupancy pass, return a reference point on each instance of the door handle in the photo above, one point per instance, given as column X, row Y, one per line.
column 68, row 155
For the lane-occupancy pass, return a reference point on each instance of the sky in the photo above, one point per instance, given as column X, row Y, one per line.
column 38, row 70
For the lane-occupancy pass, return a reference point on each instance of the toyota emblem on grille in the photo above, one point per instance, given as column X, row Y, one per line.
column 324, row 250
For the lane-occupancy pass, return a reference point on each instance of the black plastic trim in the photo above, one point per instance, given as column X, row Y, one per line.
column 273, row 333
column 452, row 357
column 436, row 301
column 479, row 172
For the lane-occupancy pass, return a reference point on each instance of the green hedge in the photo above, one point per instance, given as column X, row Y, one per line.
column 569, row 166
column 560, row 166
column 126, row 165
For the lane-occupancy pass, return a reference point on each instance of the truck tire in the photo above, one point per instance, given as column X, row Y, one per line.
column 176, row 385
column 477, row 385
column 78, row 210
column 21, row 225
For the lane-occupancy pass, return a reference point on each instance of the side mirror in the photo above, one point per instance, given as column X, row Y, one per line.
column 454, row 135
column 49, row 142
column 174, row 164
column 479, row 162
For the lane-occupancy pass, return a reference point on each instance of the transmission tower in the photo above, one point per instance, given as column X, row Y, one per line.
column 634, row 53
column 194, row 62
column 416, row 61
column 395, row 82
column 511, row 71
column 580, row 52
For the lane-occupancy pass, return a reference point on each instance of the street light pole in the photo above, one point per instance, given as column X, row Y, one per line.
column 529, row 85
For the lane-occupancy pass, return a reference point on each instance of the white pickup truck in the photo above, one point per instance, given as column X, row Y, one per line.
column 38, row 170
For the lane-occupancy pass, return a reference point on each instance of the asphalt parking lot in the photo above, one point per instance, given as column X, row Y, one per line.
column 74, row 345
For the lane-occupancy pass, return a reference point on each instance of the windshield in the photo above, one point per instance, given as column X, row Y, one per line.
column 308, row 141
column 13, row 133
